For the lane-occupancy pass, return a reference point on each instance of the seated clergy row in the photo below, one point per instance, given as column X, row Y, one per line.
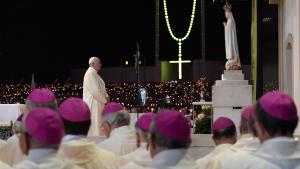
column 52, row 136
column 45, row 126
column 267, row 140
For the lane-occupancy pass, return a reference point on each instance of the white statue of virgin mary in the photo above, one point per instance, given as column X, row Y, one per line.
column 231, row 43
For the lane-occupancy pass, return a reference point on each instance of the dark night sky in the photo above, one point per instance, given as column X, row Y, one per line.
column 49, row 38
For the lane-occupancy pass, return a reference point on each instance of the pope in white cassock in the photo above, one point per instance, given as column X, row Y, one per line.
column 246, row 144
column 276, row 118
column 120, row 136
column 140, row 158
column 75, row 146
column 231, row 43
column 169, row 141
column 40, row 137
column 224, row 136
column 94, row 94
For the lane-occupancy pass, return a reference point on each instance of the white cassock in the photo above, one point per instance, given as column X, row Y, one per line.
column 11, row 153
column 173, row 159
column 44, row 159
column 231, row 43
column 4, row 166
column 276, row 153
column 246, row 145
column 2, row 146
column 94, row 94
column 203, row 162
column 140, row 158
column 121, row 141
column 87, row 155
column 132, row 165
column 2, row 143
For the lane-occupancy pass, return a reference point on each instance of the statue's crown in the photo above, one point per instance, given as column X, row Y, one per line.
column 227, row 7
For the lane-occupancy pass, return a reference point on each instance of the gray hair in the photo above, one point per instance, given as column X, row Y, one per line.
column 92, row 59
column 121, row 118
column 51, row 105
column 165, row 142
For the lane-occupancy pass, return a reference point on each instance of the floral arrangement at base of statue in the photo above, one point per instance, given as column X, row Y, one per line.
column 203, row 120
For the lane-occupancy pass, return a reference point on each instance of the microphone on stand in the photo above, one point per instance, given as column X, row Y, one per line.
column 137, row 60
column 138, row 48
column 33, row 86
column 137, row 56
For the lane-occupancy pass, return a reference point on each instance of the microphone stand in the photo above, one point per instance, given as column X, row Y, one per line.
column 137, row 71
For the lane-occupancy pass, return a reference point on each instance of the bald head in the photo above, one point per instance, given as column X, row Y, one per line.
column 95, row 63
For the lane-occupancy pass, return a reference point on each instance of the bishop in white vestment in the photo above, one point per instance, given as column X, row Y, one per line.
column 120, row 136
column 140, row 157
column 75, row 147
column 275, row 122
column 169, row 140
column 40, row 137
column 246, row 144
column 224, row 136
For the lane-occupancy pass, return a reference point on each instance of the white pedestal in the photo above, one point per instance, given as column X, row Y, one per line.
column 230, row 95
column 233, row 75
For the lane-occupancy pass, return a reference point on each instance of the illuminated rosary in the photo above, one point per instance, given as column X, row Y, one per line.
column 180, row 40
